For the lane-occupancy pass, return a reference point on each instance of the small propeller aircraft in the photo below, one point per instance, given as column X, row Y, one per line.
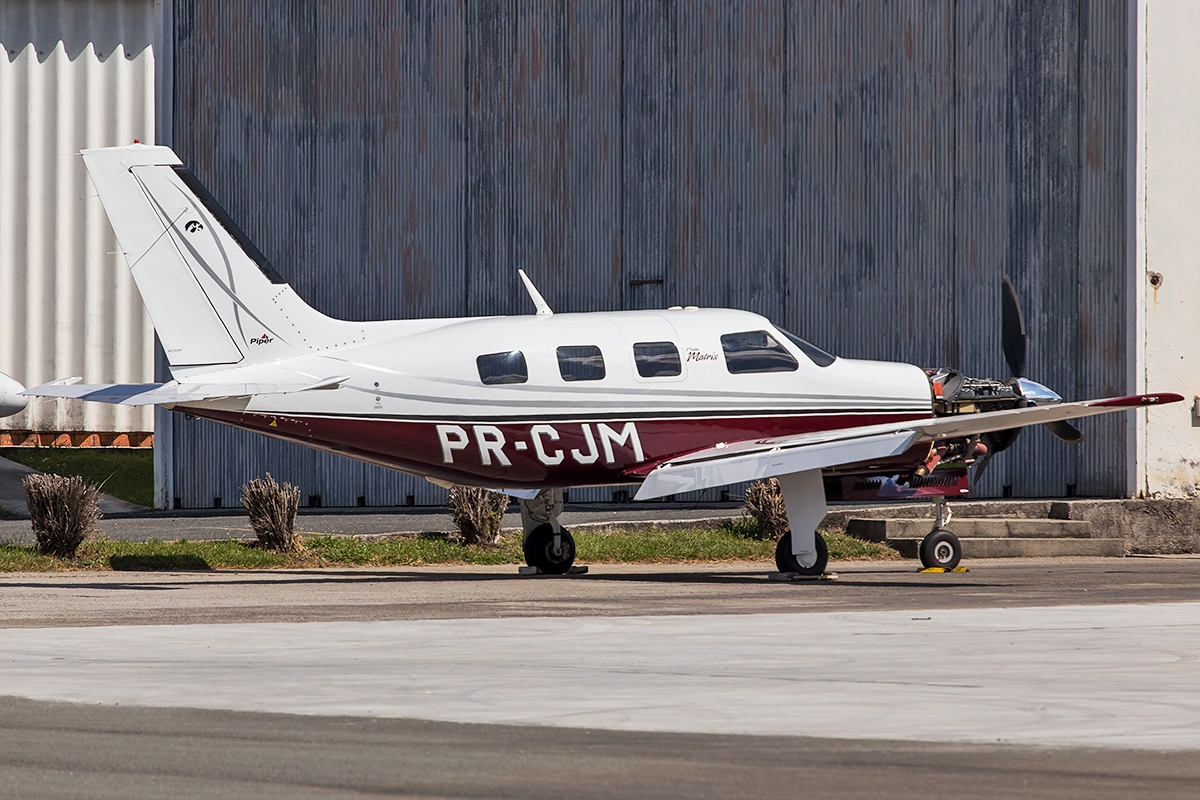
column 677, row 400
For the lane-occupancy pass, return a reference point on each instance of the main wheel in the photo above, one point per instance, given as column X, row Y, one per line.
column 551, row 553
column 941, row 549
column 787, row 561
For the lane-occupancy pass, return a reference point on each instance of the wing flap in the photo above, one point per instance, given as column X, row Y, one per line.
column 700, row 473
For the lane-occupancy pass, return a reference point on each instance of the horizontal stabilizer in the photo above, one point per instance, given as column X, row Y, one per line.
column 150, row 394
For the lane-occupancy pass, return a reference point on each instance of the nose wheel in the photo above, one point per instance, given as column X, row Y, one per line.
column 940, row 549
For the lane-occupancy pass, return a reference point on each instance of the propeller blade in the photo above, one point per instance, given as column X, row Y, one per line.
column 1012, row 329
column 999, row 441
column 978, row 470
column 1065, row 431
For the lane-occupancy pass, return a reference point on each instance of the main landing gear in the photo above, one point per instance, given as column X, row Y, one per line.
column 789, row 562
column 549, row 548
column 802, row 554
column 941, row 549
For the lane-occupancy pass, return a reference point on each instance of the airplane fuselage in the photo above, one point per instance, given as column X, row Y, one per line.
column 566, row 399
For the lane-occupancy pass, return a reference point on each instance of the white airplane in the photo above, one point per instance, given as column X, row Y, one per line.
column 677, row 400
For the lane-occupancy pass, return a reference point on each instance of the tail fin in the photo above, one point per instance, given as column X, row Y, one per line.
column 212, row 296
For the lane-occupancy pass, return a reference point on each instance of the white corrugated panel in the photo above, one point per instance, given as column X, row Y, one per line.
column 73, row 75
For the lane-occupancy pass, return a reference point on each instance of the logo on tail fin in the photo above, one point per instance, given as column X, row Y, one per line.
column 264, row 339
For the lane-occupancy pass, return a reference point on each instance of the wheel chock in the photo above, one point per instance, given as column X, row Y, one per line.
column 573, row 570
column 796, row 577
column 943, row 569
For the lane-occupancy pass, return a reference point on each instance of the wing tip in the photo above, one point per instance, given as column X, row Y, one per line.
column 1140, row 400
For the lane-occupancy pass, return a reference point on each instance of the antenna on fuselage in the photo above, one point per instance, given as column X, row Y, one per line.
column 543, row 309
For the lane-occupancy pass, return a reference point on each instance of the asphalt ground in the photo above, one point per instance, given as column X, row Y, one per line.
column 138, row 652
column 70, row 599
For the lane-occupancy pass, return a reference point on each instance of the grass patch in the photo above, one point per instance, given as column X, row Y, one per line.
column 847, row 548
column 693, row 545
column 127, row 474
column 671, row 546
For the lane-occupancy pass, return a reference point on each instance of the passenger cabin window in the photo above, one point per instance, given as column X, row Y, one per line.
column 756, row 351
column 818, row 356
column 581, row 363
column 657, row 359
column 498, row 368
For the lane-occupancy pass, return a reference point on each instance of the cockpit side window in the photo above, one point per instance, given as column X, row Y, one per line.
column 501, row 368
column 581, row 363
column 818, row 356
column 756, row 351
column 657, row 359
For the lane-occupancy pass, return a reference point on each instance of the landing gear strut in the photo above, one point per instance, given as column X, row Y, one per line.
column 801, row 552
column 549, row 548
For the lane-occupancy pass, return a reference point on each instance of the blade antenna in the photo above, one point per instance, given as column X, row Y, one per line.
column 543, row 308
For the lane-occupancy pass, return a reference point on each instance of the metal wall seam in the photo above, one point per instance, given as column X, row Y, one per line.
column 72, row 76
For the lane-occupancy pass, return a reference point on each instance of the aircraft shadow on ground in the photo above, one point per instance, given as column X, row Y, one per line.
column 156, row 563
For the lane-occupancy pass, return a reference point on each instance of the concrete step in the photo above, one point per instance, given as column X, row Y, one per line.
column 1011, row 547
column 993, row 538
column 885, row 530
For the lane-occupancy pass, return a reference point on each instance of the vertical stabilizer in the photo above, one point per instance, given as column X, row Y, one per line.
column 213, row 298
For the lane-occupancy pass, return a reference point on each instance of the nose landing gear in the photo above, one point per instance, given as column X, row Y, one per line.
column 941, row 549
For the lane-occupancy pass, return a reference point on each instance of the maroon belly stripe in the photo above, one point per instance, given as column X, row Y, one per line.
column 560, row 453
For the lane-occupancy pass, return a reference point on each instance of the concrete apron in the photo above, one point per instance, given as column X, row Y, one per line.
column 1097, row 676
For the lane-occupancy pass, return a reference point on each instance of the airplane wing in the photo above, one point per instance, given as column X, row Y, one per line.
column 754, row 459
column 147, row 394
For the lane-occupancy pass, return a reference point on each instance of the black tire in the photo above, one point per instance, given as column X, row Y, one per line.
column 787, row 562
column 539, row 550
column 941, row 549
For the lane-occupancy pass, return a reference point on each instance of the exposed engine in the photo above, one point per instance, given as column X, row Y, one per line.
column 956, row 393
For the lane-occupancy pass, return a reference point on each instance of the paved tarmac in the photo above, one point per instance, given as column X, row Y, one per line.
column 631, row 681
column 125, row 753
column 67, row 599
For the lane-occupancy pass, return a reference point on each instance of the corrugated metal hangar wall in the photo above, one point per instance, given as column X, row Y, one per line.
column 860, row 172
column 73, row 75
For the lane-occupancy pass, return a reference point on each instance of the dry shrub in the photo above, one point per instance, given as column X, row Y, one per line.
column 477, row 513
column 63, row 511
column 764, row 502
column 272, row 510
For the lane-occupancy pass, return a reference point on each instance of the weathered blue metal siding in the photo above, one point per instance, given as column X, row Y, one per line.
column 861, row 172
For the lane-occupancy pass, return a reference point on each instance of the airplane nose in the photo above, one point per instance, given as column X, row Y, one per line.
column 11, row 401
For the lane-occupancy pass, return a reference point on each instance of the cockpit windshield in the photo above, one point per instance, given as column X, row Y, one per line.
column 816, row 354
